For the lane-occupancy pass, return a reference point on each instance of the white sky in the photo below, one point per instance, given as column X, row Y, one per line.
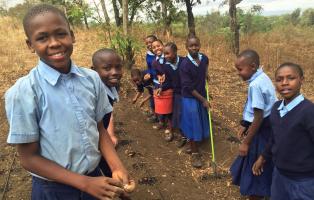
column 270, row 7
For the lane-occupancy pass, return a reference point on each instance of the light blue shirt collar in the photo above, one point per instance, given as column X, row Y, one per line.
column 174, row 66
column 150, row 53
column 51, row 75
column 200, row 56
column 256, row 74
column 284, row 109
column 112, row 93
column 160, row 58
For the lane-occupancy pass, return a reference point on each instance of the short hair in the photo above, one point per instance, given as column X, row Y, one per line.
column 295, row 66
column 136, row 73
column 151, row 36
column 158, row 40
column 172, row 46
column 192, row 37
column 102, row 51
column 250, row 54
column 41, row 9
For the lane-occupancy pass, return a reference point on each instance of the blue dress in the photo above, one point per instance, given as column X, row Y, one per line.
column 241, row 169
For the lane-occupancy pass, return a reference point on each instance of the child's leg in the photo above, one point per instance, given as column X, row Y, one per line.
column 168, row 131
column 196, row 157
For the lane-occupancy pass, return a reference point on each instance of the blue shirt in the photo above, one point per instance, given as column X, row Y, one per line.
column 284, row 109
column 60, row 112
column 261, row 95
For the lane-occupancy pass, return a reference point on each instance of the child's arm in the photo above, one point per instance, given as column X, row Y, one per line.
column 257, row 121
column 138, row 94
column 99, row 187
column 109, row 153
column 111, row 133
column 200, row 98
column 145, row 99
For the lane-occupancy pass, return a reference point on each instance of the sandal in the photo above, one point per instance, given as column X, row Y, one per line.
column 181, row 141
column 196, row 160
column 169, row 135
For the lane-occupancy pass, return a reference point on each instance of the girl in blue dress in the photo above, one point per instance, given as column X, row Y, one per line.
column 194, row 122
column 255, row 130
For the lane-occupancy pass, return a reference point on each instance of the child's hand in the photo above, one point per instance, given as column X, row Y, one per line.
column 134, row 100
column 257, row 168
column 146, row 77
column 161, row 78
column 103, row 187
column 206, row 104
column 241, row 133
column 157, row 92
column 123, row 176
column 114, row 140
column 243, row 149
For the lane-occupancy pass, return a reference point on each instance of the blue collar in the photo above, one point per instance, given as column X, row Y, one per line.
column 51, row 75
column 200, row 56
column 160, row 59
column 284, row 109
column 256, row 74
column 112, row 93
column 174, row 66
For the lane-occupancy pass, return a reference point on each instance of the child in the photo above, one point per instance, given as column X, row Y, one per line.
column 140, row 82
column 255, row 126
column 55, row 116
column 291, row 146
column 108, row 64
column 163, row 88
column 194, row 122
column 150, row 56
column 171, row 71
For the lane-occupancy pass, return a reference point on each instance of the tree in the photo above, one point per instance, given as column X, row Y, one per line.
column 191, row 23
column 125, row 17
column 133, row 5
column 116, row 12
column 295, row 16
column 104, row 10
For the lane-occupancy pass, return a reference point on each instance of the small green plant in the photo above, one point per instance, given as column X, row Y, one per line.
column 126, row 47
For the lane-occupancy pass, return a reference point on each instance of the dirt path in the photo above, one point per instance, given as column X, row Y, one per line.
column 163, row 171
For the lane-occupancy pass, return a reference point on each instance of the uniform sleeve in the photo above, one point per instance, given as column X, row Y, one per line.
column 22, row 113
column 103, row 105
column 256, row 95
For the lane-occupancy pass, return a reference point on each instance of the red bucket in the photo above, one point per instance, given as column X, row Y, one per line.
column 163, row 102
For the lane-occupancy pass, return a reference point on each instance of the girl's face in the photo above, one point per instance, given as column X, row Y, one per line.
column 157, row 48
column 136, row 80
column 193, row 46
column 288, row 83
column 148, row 43
column 170, row 55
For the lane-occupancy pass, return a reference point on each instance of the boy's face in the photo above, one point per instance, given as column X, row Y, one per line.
column 49, row 36
column 109, row 68
column 245, row 68
column 157, row 48
column 193, row 46
column 288, row 83
column 148, row 43
column 137, row 80
column 170, row 56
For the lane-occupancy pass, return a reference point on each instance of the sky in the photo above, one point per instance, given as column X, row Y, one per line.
column 270, row 7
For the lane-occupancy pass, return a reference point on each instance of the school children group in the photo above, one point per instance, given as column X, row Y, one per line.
column 60, row 116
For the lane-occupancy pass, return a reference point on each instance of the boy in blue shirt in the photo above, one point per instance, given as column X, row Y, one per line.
column 55, row 116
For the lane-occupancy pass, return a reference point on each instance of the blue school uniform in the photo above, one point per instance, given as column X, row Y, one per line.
column 113, row 97
column 291, row 148
column 60, row 112
column 149, row 85
column 194, row 117
column 172, row 71
column 157, row 64
column 150, row 57
column 261, row 95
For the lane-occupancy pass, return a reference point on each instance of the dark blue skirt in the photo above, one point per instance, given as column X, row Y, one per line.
column 176, row 112
column 194, row 119
column 241, row 169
